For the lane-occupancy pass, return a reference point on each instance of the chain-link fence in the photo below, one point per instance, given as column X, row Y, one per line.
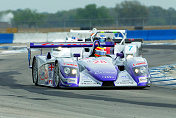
column 137, row 23
column 115, row 22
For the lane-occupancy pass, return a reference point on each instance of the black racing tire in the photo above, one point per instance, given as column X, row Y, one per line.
column 56, row 77
column 35, row 71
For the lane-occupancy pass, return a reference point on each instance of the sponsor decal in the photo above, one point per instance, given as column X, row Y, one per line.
column 124, row 77
column 50, row 74
column 70, row 80
column 70, row 64
column 103, row 72
column 100, row 62
column 108, row 76
column 79, row 44
column 139, row 64
column 67, row 44
column 43, row 73
column 142, row 79
column 50, row 82
column 125, row 82
column 51, row 67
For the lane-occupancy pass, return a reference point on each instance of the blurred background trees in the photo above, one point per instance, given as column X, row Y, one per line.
column 127, row 13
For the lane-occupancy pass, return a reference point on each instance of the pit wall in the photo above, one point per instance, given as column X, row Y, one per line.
column 147, row 35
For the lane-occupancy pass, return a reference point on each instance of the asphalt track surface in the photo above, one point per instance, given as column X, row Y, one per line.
column 19, row 98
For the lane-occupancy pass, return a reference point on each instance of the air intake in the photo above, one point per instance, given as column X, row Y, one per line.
column 108, row 83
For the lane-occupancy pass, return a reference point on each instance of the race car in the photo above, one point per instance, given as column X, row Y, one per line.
column 73, row 65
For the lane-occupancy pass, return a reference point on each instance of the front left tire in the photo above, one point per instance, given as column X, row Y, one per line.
column 35, row 71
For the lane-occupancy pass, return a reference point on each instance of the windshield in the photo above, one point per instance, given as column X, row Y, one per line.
column 61, row 52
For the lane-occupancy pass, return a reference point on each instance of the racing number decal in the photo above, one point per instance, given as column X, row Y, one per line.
column 130, row 47
column 99, row 62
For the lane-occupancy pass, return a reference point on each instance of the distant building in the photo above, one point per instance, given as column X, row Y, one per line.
column 5, row 25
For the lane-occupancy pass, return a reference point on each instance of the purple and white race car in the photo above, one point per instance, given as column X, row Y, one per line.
column 71, row 64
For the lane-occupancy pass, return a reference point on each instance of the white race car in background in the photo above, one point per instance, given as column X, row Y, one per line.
column 132, row 47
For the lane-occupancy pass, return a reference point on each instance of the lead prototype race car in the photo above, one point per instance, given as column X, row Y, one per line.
column 75, row 64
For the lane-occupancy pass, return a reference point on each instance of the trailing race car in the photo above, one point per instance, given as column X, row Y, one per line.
column 119, row 37
column 73, row 65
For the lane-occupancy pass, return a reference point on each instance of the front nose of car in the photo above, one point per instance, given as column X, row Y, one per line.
column 110, row 75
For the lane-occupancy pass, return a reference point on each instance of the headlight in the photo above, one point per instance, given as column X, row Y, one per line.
column 136, row 70
column 129, row 56
column 74, row 71
column 140, row 70
column 69, row 72
column 66, row 70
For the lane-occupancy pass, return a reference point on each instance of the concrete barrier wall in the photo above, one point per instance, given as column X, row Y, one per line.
column 147, row 35
column 56, row 36
column 38, row 37
column 30, row 37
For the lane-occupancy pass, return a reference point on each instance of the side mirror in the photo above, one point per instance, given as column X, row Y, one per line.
column 49, row 55
column 121, row 55
column 76, row 55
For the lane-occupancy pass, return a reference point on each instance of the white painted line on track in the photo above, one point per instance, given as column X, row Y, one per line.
column 164, row 75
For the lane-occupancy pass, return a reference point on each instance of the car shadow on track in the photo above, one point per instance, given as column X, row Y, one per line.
column 7, row 79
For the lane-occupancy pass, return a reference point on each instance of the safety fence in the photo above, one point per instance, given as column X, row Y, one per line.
column 147, row 35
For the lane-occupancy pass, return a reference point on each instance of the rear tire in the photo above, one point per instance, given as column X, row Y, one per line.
column 35, row 71
column 56, row 75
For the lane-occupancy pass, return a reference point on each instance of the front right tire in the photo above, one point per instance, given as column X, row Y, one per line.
column 56, row 75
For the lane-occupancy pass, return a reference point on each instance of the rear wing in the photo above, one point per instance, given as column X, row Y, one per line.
column 98, row 31
column 95, row 31
column 69, row 44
